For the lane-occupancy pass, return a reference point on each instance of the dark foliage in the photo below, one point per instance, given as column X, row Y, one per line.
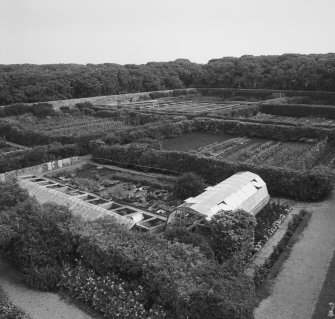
column 63, row 81
column 299, row 110
column 188, row 185
column 183, row 235
column 231, row 235
column 41, row 110
column 36, row 156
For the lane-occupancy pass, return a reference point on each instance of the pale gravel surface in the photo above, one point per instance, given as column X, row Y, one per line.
column 38, row 305
column 296, row 289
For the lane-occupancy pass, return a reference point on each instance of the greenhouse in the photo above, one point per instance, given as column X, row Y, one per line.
column 244, row 190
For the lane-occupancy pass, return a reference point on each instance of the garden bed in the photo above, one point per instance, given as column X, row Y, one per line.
column 147, row 191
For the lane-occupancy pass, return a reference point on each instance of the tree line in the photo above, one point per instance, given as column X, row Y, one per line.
column 31, row 83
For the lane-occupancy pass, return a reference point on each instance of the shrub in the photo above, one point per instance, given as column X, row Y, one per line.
column 11, row 195
column 231, row 235
column 37, row 248
column 42, row 110
column 182, row 235
column 188, row 185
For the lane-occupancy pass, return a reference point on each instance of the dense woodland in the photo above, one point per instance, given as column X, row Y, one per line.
column 31, row 83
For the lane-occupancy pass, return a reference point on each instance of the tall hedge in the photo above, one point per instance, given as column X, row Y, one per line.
column 301, row 185
column 262, row 130
column 37, row 155
column 159, row 129
column 299, row 110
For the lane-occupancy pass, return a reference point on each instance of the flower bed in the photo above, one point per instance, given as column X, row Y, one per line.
column 262, row 272
column 108, row 294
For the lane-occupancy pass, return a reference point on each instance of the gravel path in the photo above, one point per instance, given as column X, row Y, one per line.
column 39, row 305
column 297, row 287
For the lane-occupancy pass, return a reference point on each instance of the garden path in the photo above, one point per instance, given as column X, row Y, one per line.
column 36, row 304
column 295, row 291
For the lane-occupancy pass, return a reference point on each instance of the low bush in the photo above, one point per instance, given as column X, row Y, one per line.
column 36, row 247
column 182, row 235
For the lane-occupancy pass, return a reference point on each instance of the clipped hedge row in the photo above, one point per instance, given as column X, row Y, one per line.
column 30, row 138
column 299, row 110
column 261, row 130
column 36, row 155
column 302, row 185
column 157, row 130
